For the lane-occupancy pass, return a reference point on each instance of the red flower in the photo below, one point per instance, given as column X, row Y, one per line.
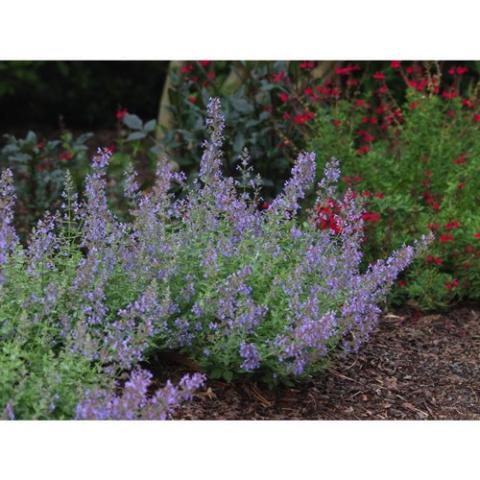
column 476, row 117
column 336, row 122
column 204, row 63
column 265, row 206
column 309, row 115
column 111, row 148
column 446, row 237
column 461, row 185
column 380, row 195
column 286, row 116
column 278, row 77
column 402, row 283
column 395, row 64
column 379, row 76
column 307, row 65
column 192, row 99
column 359, row 102
column 413, row 105
column 66, row 155
column 433, row 226
column 409, row 69
column 120, row 114
column 451, row 285
column 308, row 91
column 335, row 92
column 211, row 75
column 435, row 260
column 366, row 194
column 460, row 160
column 453, row 225
column 477, row 236
column 372, row 217
column 356, row 178
column 467, row 103
column 373, row 120
column 363, row 149
column 364, row 120
column 283, row 97
column 186, row 68
column 449, row 95
column 299, row 119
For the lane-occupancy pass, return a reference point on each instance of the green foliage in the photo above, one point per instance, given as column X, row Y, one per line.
column 39, row 169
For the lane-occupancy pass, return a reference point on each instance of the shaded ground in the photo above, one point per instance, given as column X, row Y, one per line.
column 414, row 367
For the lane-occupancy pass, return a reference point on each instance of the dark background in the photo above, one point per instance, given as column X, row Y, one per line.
column 76, row 94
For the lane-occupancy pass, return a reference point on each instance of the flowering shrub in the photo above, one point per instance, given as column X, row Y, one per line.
column 241, row 289
column 416, row 164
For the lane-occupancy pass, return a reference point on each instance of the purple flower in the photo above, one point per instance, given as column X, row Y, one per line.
column 250, row 356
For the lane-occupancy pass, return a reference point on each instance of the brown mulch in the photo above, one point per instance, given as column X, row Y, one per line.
column 414, row 367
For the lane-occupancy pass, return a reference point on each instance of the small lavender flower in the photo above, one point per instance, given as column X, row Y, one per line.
column 250, row 356
column 303, row 176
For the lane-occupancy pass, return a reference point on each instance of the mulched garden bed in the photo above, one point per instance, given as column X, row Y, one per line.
column 414, row 367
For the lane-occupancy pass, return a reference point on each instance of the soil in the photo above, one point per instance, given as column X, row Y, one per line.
column 415, row 367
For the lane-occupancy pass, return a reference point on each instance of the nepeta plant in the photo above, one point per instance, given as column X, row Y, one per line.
column 242, row 290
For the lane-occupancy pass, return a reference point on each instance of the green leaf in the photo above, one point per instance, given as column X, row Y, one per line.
column 136, row 136
column 132, row 121
column 150, row 126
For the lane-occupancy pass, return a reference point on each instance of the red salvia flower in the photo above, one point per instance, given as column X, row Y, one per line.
column 186, row 68
column 395, row 64
column 371, row 217
column 379, row 76
column 446, row 238
column 120, row 114
column 283, row 97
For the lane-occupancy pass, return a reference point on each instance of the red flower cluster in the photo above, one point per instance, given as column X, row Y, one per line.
column 307, row 65
column 371, row 217
column 453, row 225
column 301, row 119
column 348, row 70
column 328, row 216
column 283, row 97
column 188, row 68
column 452, row 285
column 458, row 70
column 446, row 238
column 435, row 260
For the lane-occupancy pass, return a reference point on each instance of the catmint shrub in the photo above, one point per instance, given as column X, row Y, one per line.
column 243, row 288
